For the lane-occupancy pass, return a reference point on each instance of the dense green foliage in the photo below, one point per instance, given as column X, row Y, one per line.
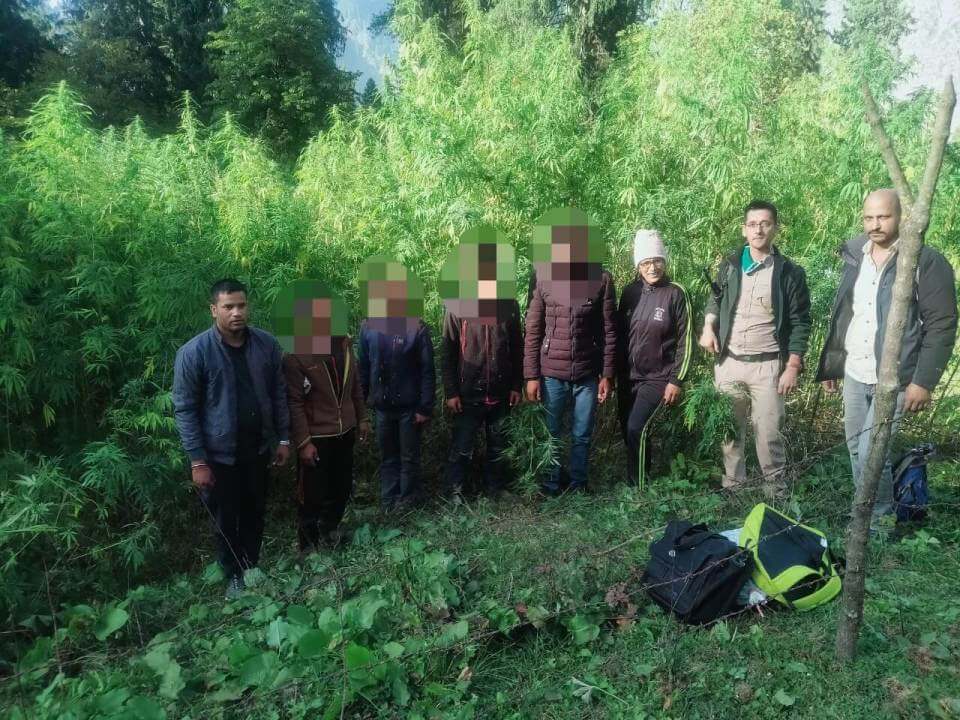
column 272, row 64
column 109, row 238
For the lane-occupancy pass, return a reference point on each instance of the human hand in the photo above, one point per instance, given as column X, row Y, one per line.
column 308, row 454
column 671, row 394
column 281, row 455
column 831, row 386
column 788, row 380
column 363, row 431
column 514, row 398
column 455, row 404
column 533, row 390
column 604, row 389
column 708, row 340
column 202, row 476
column 420, row 419
column 916, row 398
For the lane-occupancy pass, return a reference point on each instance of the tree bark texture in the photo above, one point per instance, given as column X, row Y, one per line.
column 913, row 224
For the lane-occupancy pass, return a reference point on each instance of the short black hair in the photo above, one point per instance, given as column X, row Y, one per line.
column 762, row 205
column 226, row 285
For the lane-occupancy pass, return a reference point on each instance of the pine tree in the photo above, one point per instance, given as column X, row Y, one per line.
column 275, row 70
column 370, row 96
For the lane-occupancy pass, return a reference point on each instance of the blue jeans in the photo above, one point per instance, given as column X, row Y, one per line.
column 556, row 395
column 857, row 423
column 399, row 439
column 465, row 426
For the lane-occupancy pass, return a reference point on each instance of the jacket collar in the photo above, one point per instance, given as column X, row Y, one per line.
column 734, row 257
column 216, row 335
column 647, row 287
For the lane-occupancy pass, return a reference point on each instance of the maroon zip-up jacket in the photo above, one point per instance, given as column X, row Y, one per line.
column 571, row 343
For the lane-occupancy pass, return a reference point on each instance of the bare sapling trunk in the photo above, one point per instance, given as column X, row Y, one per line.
column 913, row 223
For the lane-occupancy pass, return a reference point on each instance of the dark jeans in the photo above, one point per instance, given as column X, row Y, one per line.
column 465, row 426
column 324, row 489
column 638, row 403
column 237, row 502
column 556, row 395
column 399, row 439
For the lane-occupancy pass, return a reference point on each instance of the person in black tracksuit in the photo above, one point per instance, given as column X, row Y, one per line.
column 654, row 348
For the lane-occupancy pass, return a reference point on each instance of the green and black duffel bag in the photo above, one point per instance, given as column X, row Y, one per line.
column 792, row 562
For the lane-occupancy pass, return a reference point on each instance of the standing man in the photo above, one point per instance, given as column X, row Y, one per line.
column 571, row 340
column 397, row 375
column 859, row 321
column 327, row 412
column 230, row 406
column 481, row 353
column 758, row 324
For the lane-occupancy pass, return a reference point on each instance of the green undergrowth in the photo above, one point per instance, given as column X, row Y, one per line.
column 507, row 610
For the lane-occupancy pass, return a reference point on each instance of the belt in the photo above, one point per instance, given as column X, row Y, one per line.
column 759, row 357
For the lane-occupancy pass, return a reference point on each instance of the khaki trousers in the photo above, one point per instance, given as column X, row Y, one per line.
column 753, row 388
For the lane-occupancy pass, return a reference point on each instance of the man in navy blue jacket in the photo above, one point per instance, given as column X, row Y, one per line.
column 397, row 375
column 230, row 406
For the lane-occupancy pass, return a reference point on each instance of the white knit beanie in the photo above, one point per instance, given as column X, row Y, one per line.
column 648, row 244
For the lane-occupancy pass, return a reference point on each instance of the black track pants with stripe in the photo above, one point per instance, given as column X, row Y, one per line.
column 637, row 412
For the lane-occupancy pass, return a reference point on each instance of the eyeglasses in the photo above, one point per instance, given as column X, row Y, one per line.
column 654, row 263
column 765, row 225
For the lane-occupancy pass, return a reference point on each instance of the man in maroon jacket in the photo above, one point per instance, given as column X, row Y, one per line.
column 571, row 341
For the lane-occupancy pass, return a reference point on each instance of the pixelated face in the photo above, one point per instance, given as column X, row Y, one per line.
column 478, row 280
column 309, row 320
column 568, row 255
column 391, row 295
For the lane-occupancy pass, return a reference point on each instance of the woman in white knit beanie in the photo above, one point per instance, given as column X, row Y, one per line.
column 654, row 347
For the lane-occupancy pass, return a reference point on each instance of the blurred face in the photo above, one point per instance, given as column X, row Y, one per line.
column 652, row 270
column 478, row 280
column 309, row 320
column 881, row 218
column 387, row 298
column 759, row 229
column 230, row 312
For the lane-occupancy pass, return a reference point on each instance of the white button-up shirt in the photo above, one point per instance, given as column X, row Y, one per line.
column 860, row 342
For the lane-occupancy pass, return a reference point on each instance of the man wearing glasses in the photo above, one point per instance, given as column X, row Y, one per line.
column 758, row 324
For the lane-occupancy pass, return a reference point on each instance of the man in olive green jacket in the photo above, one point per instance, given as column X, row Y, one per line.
column 758, row 325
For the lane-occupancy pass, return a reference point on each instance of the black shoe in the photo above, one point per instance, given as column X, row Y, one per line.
column 504, row 497
column 235, row 587
column 336, row 537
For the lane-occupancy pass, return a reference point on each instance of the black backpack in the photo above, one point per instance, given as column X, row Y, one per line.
column 696, row 573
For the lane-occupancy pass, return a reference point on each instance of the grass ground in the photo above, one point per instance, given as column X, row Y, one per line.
column 527, row 609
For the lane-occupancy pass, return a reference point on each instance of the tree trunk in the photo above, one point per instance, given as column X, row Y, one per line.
column 912, row 227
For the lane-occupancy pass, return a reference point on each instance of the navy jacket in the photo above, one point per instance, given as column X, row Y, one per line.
column 397, row 371
column 204, row 394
